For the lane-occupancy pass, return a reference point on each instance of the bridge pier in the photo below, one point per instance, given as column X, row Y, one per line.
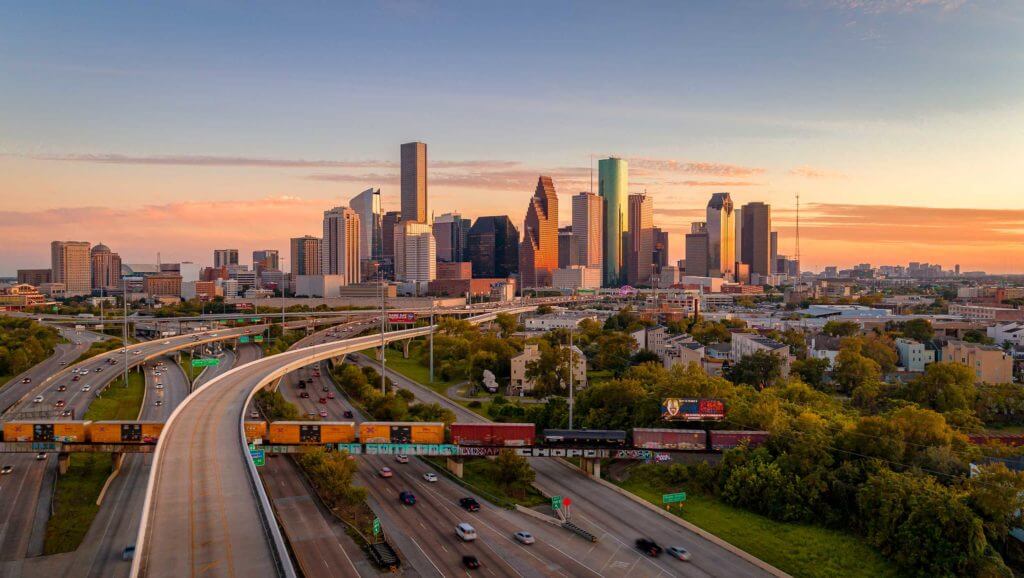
column 455, row 466
column 405, row 348
column 591, row 467
column 63, row 462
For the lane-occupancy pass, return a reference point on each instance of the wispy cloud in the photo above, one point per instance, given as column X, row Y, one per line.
column 694, row 167
column 896, row 6
column 260, row 162
column 815, row 173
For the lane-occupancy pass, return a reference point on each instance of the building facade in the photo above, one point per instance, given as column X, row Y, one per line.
column 70, row 265
column 414, row 182
column 990, row 364
column 914, row 356
column 35, row 277
column 520, row 384
column 640, row 260
column 697, row 250
column 568, row 252
column 538, row 253
column 415, row 252
column 306, row 256
column 106, row 269
column 451, row 232
column 576, row 277
column 494, row 247
column 721, row 229
column 225, row 258
column 757, row 230
column 340, row 248
column 660, row 256
column 613, row 187
column 367, row 205
column 587, row 226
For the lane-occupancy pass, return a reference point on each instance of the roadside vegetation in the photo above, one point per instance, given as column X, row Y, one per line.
column 362, row 385
column 279, row 341
column 23, row 343
column 332, row 475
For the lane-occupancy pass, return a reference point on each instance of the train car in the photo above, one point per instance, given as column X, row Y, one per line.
column 396, row 432
column 723, row 440
column 1014, row 440
column 311, row 432
column 46, row 431
column 255, row 430
column 585, row 437
column 125, row 432
column 670, row 439
column 493, row 434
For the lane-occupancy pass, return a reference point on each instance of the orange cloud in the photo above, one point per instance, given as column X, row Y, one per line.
column 813, row 173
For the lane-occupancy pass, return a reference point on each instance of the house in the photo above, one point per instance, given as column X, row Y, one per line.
column 989, row 363
column 682, row 350
column 520, row 384
column 825, row 347
column 744, row 344
column 914, row 355
column 563, row 320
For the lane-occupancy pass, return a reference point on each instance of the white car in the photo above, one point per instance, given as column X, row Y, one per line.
column 83, row 372
column 466, row 532
column 430, row 477
column 86, row 387
column 402, row 459
column 38, row 399
column 159, row 386
column 679, row 552
column 167, row 342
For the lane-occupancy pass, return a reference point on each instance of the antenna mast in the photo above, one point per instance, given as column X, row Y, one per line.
column 798, row 231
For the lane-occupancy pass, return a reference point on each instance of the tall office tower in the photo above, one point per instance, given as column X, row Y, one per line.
column 106, row 269
column 538, row 253
column 613, row 182
column 340, row 248
column 415, row 252
column 451, row 232
column 266, row 260
column 225, row 258
column 367, row 205
column 494, row 247
column 587, row 223
column 306, row 255
column 641, row 240
column 387, row 233
column 721, row 241
column 697, row 244
column 660, row 249
column 70, row 264
column 568, row 252
column 414, row 182
column 737, row 217
column 757, row 228
column 774, row 257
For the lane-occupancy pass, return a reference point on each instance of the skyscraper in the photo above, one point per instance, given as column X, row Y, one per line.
column 341, row 244
column 266, row 260
column 721, row 242
column 414, row 182
column 106, row 269
column 538, row 253
column 774, row 257
column 451, row 232
column 737, row 216
column 494, row 247
column 415, row 252
column 568, row 252
column 613, row 185
column 306, row 256
column 225, row 258
column 70, row 264
column 660, row 249
column 367, row 205
column 587, row 225
column 757, row 227
column 640, row 257
column 387, row 234
column 697, row 250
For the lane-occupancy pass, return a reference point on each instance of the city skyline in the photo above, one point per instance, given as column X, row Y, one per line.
column 728, row 105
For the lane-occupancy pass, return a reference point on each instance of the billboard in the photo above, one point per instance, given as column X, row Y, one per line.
column 692, row 409
column 401, row 317
column 243, row 307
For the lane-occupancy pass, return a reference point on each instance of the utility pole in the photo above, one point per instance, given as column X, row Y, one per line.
column 431, row 340
column 124, row 297
column 383, row 368
column 571, row 367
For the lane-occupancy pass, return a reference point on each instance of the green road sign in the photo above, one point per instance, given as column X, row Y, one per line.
column 243, row 339
column 376, row 526
column 673, row 498
column 205, row 362
column 258, row 339
column 556, row 502
column 256, row 320
column 259, row 457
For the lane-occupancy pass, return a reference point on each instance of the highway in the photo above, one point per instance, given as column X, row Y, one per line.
column 615, row 519
column 205, row 512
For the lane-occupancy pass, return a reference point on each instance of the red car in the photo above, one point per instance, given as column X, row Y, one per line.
column 330, row 395
column 323, row 400
column 304, row 395
column 60, row 403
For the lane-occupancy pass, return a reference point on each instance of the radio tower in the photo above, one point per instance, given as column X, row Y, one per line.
column 798, row 232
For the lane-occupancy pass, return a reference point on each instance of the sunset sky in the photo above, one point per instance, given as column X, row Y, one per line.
column 187, row 126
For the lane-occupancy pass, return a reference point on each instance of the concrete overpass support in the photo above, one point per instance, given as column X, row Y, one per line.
column 591, row 467
column 405, row 348
column 455, row 466
column 63, row 462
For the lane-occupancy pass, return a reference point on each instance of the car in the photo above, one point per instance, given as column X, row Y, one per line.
column 38, row 399
column 75, row 378
column 323, row 413
column 324, row 388
column 648, row 546
column 157, row 373
column 6, row 470
column 86, row 387
column 385, row 472
column 254, row 414
column 469, row 504
column 330, row 395
column 167, row 342
column 136, row 352
column 41, row 456
column 63, row 364
column 322, row 400
column 470, row 561
column 128, row 553
column 83, row 372
column 74, row 370
column 678, row 552
column 62, row 387
column 98, row 369
column 59, row 403
column 158, row 402
column 27, row 380
column 311, row 414
column 304, row 395
column 402, row 459
column 159, row 386
column 348, row 413
column 524, row 537
column 430, row 477
column 407, row 498
column 66, row 413
column 465, row 531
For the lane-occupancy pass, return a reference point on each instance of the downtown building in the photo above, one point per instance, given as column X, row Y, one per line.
column 613, row 184
column 494, row 247
column 640, row 254
column 106, row 270
column 305, row 256
column 415, row 246
column 697, row 250
column 587, row 227
column 70, row 266
column 340, row 247
column 721, row 229
column 451, row 233
column 225, row 258
column 538, row 252
column 756, row 249
column 367, row 205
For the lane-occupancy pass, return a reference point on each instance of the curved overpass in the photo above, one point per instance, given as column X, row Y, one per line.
column 205, row 510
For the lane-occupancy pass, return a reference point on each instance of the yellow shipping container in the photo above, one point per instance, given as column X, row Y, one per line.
column 374, row 433
column 46, row 431
column 428, row 433
column 17, row 432
column 255, row 430
column 129, row 432
column 337, row 432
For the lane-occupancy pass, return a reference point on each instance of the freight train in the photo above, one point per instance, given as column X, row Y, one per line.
column 462, row 434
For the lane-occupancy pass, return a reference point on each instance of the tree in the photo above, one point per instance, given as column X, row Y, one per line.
column 882, row 350
column 513, row 470
column 550, row 371
column 610, row 404
column 708, row 332
column 759, row 369
column 918, row 329
column 811, row 371
column 975, row 336
column 944, row 386
column 508, row 324
column 645, row 356
column 614, row 350
column 841, row 328
column 853, row 369
column 996, row 493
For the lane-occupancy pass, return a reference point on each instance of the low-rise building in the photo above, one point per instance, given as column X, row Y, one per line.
column 520, row 384
column 460, row 287
column 162, row 285
column 824, row 347
column 562, row 320
column 576, row 277
column 986, row 313
column 454, row 269
column 989, row 363
column 914, row 355
column 744, row 344
column 20, row 296
column 1007, row 332
column 681, row 350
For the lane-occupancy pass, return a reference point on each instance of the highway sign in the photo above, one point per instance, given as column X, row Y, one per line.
column 673, row 498
column 258, row 339
column 243, row 339
column 556, row 502
column 259, row 457
column 256, row 320
column 376, row 526
column 205, row 362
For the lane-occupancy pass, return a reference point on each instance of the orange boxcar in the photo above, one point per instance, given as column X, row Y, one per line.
column 401, row 432
column 311, row 432
column 255, row 430
column 125, row 432
column 45, row 431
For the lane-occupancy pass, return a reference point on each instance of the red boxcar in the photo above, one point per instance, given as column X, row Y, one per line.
column 1005, row 439
column 723, row 440
column 670, row 439
column 493, row 434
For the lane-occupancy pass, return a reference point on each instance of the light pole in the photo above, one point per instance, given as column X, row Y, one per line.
column 571, row 368
column 383, row 368
column 431, row 340
column 124, row 297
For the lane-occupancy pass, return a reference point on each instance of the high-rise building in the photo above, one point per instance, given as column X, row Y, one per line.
column 415, row 252
column 225, row 258
column 640, row 257
column 494, row 247
column 367, row 205
column 613, row 184
column 35, row 277
column 538, row 253
column 70, row 265
column 306, row 255
column 697, row 250
column 414, row 182
column 737, row 216
column 568, row 252
column 660, row 249
column 340, row 247
column 106, row 269
column 587, row 226
column 451, row 232
column 721, row 242
column 387, row 233
column 774, row 257
column 265, row 260
column 757, row 228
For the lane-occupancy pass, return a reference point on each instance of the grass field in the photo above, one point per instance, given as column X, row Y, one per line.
column 798, row 549
column 74, row 499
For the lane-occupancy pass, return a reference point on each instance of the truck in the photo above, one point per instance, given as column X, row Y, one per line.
column 670, row 439
column 412, row 432
column 311, row 433
column 724, row 440
column 493, row 434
